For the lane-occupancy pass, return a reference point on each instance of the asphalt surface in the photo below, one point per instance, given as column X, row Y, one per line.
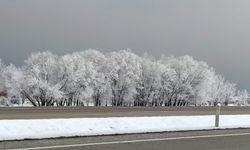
column 236, row 139
column 80, row 112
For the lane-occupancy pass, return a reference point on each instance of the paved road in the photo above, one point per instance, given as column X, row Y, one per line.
column 237, row 139
column 78, row 112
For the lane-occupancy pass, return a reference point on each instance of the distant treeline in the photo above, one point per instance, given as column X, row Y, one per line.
column 119, row 78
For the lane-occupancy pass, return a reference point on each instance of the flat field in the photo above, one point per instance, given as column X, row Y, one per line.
column 81, row 112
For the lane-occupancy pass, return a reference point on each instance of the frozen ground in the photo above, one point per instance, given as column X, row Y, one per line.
column 51, row 128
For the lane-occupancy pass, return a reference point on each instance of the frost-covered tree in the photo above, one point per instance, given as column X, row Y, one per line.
column 205, row 89
column 78, row 74
column 14, row 81
column 184, row 77
column 149, row 84
column 43, row 79
column 99, row 82
column 3, row 92
column 86, row 82
column 240, row 98
column 218, row 90
column 1, row 75
column 123, row 69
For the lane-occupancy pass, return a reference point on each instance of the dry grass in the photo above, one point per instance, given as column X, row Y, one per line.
column 78, row 112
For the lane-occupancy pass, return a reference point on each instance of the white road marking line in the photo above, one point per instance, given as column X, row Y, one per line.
column 132, row 141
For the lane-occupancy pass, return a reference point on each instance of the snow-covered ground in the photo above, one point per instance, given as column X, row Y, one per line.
column 50, row 128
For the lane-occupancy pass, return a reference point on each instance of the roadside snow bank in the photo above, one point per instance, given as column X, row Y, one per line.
column 51, row 128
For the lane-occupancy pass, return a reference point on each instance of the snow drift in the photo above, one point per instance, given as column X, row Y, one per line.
column 51, row 128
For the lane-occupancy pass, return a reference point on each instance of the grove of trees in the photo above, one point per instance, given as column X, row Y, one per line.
column 120, row 78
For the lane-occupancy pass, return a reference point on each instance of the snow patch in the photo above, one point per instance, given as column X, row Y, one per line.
column 52, row 128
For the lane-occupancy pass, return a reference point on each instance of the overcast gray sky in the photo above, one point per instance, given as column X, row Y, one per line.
column 216, row 31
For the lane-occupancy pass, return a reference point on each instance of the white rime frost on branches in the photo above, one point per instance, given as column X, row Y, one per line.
column 118, row 78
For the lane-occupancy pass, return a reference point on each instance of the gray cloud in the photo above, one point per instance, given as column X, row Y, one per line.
column 216, row 31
